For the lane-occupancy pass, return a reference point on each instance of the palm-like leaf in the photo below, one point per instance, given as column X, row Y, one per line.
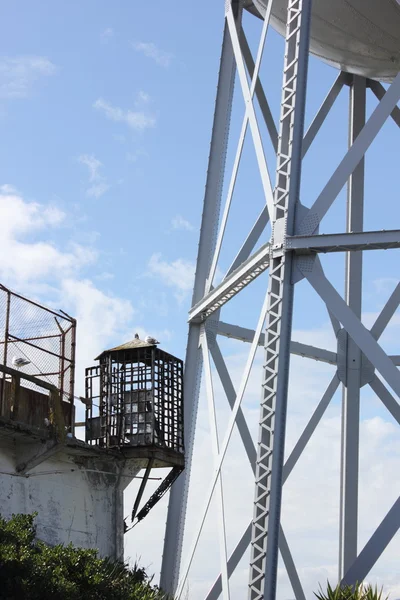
column 359, row 591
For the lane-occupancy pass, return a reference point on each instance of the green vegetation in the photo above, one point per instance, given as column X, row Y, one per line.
column 357, row 592
column 32, row 570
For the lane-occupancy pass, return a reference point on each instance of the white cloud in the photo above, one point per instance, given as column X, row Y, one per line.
column 107, row 34
column 134, row 156
column 150, row 50
column 179, row 222
column 103, row 321
column 137, row 120
column 7, row 188
column 98, row 189
column 143, row 97
column 26, row 261
column 178, row 274
column 99, row 185
column 93, row 164
column 385, row 285
column 19, row 216
column 45, row 269
column 106, row 275
column 18, row 74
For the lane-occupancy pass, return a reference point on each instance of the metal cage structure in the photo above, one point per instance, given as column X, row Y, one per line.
column 45, row 339
column 134, row 398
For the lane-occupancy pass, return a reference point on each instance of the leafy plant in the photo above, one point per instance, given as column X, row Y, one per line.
column 32, row 570
column 359, row 591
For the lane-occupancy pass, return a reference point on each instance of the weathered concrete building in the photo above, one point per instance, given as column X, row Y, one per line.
column 133, row 421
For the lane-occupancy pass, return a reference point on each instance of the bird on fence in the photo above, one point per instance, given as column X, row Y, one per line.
column 150, row 340
column 19, row 362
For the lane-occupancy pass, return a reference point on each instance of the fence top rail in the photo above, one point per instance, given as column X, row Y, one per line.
column 60, row 314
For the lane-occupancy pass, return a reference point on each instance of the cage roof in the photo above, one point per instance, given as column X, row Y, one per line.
column 131, row 345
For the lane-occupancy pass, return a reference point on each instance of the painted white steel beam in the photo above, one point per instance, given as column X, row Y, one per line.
column 290, row 566
column 247, row 95
column 319, row 119
column 386, row 313
column 305, row 350
column 354, row 327
column 248, row 116
column 348, row 528
column 273, row 405
column 193, row 365
column 294, row 456
column 261, row 97
column 230, row 393
column 344, row 242
column 351, row 159
column 379, row 91
column 251, row 240
column 375, row 546
column 290, row 244
column 215, row 445
column 224, row 446
column 386, row 397
column 231, row 285
column 258, row 262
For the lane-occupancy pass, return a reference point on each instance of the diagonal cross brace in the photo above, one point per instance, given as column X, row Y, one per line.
column 357, row 331
column 352, row 158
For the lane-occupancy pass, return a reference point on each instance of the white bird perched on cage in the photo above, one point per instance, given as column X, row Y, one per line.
column 150, row 340
column 19, row 362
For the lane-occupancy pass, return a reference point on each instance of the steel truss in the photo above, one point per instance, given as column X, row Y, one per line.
column 290, row 256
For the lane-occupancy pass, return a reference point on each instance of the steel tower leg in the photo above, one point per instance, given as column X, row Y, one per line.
column 271, row 440
column 193, row 365
column 353, row 368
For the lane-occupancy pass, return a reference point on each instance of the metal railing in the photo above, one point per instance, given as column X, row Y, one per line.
column 47, row 408
column 39, row 343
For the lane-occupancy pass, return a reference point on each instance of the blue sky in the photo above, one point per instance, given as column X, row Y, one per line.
column 129, row 174
column 105, row 122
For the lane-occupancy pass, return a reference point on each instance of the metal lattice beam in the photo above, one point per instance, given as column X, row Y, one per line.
column 269, row 468
column 231, row 285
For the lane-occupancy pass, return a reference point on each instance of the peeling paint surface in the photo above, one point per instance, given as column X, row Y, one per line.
column 75, row 497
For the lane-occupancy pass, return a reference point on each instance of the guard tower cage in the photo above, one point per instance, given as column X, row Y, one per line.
column 134, row 397
column 37, row 362
column 134, row 403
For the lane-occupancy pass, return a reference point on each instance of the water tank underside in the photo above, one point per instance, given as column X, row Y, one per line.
column 358, row 36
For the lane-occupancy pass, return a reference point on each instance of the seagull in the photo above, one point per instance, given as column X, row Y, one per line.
column 18, row 362
column 150, row 340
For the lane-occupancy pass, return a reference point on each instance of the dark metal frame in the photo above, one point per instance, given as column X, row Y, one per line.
column 134, row 398
column 52, row 354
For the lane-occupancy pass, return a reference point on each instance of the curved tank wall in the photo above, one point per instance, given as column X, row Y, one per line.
column 358, row 36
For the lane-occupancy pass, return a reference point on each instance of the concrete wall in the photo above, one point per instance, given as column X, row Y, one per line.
column 78, row 498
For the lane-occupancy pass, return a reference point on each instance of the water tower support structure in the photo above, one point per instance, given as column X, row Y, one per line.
column 290, row 256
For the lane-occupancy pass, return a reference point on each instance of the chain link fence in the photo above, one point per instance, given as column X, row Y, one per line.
column 37, row 341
